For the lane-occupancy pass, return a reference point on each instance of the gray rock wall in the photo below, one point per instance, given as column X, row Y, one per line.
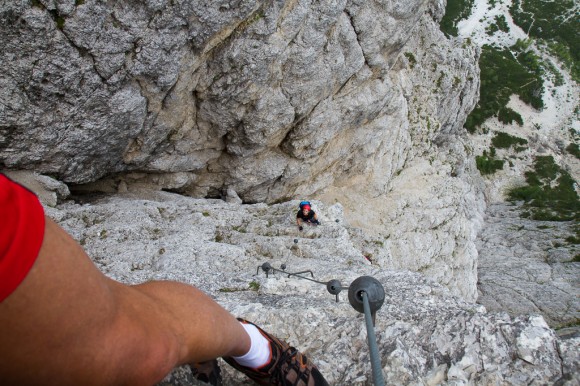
column 425, row 334
column 528, row 266
column 355, row 102
column 261, row 96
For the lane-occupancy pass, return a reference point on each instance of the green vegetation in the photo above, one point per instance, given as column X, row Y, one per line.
column 509, row 116
column 254, row 285
column 257, row 16
column 573, row 149
column 379, row 243
column 499, row 25
column 550, row 194
column 440, row 79
column 504, row 72
column 58, row 19
column 556, row 23
column 517, row 70
column 562, row 52
column 573, row 241
column 488, row 165
column 455, row 10
column 505, row 141
column 411, row 58
column 205, row 214
column 556, row 76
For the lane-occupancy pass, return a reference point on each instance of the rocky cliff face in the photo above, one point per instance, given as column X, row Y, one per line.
column 273, row 99
column 425, row 335
column 357, row 104
column 350, row 101
column 525, row 267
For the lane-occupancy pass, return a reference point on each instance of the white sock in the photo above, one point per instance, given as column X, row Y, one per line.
column 259, row 354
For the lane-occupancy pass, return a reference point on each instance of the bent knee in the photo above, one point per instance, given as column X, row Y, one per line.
column 157, row 363
column 140, row 359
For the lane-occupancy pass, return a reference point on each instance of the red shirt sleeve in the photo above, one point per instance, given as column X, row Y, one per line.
column 21, row 234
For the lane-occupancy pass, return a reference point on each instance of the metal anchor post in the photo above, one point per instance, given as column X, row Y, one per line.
column 266, row 267
column 367, row 295
column 334, row 287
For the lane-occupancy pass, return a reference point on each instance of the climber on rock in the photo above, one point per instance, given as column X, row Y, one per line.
column 63, row 322
column 306, row 215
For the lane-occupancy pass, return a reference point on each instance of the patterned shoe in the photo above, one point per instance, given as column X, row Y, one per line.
column 287, row 366
column 208, row 372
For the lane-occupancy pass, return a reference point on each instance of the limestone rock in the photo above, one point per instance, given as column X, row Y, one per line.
column 425, row 334
column 523, row 269
column 48, row 190
column 232, row 197
column 339, row 101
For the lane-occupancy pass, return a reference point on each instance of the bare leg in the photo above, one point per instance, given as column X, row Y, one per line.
column 67, row 323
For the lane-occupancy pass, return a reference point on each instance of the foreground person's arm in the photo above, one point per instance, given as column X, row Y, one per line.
column 67, row 323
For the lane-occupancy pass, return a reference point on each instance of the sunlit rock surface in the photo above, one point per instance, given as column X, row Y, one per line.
column 355, row 102
column 425, row 334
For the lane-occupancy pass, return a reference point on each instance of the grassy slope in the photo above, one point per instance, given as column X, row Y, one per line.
column 549, row 193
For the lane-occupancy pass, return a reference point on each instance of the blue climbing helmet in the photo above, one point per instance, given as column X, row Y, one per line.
column 304, row 203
